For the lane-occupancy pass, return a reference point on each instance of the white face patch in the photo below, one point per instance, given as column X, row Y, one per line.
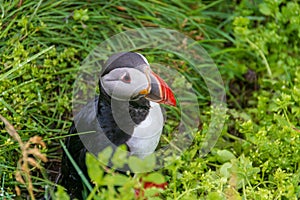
column 120, row 89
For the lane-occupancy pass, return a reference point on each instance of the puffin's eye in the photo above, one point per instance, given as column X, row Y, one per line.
column 126, row 78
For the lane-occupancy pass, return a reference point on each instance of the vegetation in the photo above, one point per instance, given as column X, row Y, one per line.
column 255, row 45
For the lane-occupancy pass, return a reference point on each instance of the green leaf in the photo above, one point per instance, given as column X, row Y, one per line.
column 215, row 196
column 115, row 180
column 105, row 155
column 224, row 156
column 94, row 168
column 281, row 121
column 81, row 15
column 224, row 170
column 135, row 164
column 264, row 9
column 150, row 161
column 155, row 177
column 138, row 165
column 119, row 158
column 150, row 193
column 61, row 194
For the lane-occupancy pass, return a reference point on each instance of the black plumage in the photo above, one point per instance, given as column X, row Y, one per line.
column 100, row 122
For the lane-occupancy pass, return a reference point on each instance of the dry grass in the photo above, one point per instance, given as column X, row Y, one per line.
column 30, row 160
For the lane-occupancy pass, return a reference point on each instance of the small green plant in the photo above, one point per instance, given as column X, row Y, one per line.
column 109, row 183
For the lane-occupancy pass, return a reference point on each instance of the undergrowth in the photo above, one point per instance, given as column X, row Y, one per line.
column 255, row 45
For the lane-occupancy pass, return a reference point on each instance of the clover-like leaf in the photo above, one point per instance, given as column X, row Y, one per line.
column 119, row 158
column 155, row 177
column 138, row 165
column 224, row 156
column 105, row 155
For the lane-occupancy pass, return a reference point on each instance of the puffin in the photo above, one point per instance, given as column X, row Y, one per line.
column 126, row 112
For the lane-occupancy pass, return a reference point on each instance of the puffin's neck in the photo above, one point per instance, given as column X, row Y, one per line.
column 118, row 119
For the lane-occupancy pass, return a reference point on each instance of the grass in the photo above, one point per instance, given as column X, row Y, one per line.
column 256, row 48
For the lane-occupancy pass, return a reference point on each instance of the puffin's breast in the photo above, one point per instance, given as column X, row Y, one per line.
column 146, row 135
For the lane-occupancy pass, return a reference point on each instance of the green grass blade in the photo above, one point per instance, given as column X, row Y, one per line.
column 80, row 173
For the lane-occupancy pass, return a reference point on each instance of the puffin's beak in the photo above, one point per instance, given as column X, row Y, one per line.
column 159, row 91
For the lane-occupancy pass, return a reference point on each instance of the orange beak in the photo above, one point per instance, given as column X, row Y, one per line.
column 160, row 92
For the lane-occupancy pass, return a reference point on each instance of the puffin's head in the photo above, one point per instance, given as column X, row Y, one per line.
column 127, row 76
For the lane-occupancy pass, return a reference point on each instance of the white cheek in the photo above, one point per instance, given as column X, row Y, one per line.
column 124, row 91
column 117, row 90
column 139, row 82
column 107, row 86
